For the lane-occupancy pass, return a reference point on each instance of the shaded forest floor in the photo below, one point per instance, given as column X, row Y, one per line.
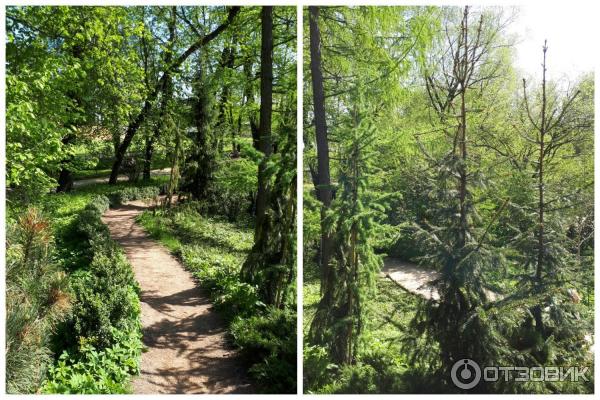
column 121, row 178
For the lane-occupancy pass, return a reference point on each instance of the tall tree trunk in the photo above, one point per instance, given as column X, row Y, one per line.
column 174, row 176
column 537, row 311
column 266, row 108
column 323, row 183
column 65, row 178
column 227, row 62
column 462, row 234
column 249, row 95
column 166, row 97
column 136, row 122
column 148, row 153
column 270, row 263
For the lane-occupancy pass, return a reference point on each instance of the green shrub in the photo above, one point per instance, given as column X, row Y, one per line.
column 269, row 338
column 235, row 298
column 132, row 193
column 358, row 379
column 103, row 334
column 105, row 298
column 318, row 370
column 93, row 371
column 106, row 291
column 235, row 185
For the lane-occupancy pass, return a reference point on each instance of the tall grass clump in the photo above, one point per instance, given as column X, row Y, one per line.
column 36, row 301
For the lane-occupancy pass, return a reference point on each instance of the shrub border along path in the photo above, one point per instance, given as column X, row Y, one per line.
column 186, row 348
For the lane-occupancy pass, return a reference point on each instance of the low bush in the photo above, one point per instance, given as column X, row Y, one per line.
column 93, row 371
column 318, row 370
column 102, row 337
column 105, row 298
column 235, row 187
column 132, row 193
column 269, row 337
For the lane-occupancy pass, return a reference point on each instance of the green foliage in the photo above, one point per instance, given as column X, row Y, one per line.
column 36, row 301
column 235, row 182
column 318, row 369
column 106, row 291
column 198, row 174
column 133, row 193
column 102, row 334
column 66, row 66
column 351, row 220
column 93, row 371
column 271, row 264
column 271, row 338
column 33, row 133
column 105, row 298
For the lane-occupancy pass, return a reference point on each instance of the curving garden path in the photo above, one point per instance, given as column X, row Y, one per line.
column 412, row 277
column 186, row 348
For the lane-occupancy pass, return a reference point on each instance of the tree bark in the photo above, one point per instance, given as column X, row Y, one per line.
column 167, row 94
column 266, row 108
column 323, row 183
column 65, row 178
column 537, row 310
column 227, row 62
column 249, row 95
column 135, row 124
column 462, row 235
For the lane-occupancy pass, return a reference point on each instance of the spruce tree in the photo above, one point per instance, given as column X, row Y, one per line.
column 201, row 163
column 350, row 222
column 552, row 331
column 457, row 325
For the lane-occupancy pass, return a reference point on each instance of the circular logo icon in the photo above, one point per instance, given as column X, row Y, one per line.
column 466, row 374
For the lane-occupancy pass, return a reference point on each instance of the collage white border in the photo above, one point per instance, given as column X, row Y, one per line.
column 300, row 4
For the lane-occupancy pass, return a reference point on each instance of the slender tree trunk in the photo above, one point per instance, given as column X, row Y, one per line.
column 148, row 153
column 266, row 106
column 227, row 62
column 65, row 178
column 537, row 311
column 249, row 95
column 463, row 135
column 167, row 94
column 174, row 177
column 323, row 183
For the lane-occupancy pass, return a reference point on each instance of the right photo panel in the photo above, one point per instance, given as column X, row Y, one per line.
column 448, row 200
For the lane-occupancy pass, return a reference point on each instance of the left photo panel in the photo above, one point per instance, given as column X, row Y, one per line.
column 150, row 199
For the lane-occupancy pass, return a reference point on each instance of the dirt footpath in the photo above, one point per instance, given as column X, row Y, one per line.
column 185, row 339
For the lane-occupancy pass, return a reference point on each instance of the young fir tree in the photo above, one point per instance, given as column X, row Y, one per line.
column 552, row 331
column 201, row 163
column 350, row 222
column 458, row 325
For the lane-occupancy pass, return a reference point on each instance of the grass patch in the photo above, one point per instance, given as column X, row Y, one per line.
column 381, row 366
